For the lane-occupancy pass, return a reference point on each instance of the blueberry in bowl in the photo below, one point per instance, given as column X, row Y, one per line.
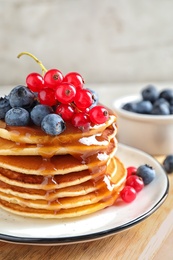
column 145, row 120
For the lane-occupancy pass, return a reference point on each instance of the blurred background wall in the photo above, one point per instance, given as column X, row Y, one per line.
column 105, row 40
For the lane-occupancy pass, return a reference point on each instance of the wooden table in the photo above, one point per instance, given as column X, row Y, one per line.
column 150, row 239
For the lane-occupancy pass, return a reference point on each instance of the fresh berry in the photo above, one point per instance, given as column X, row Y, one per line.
column 83, row 99
column 167, row 94
column 4, row 106
column 160, row 109
column 81, row 121
column 65, row 93
column 146, row 172
column 131, row 170
column 136, row 182
column 150, row 93
column 65, row 111
column 53, row 124
column 128, row 194
column 160, row 101
column 39, row 112
column 98, row 115
column 168, row 164
column 17, row 117
column 53, row 78
column 171, row 109
column 94, row 97
column 75, row 79
column 130, row 106
column 21, row 96
column 47, row 97
column 144, row 107
column 35, row 82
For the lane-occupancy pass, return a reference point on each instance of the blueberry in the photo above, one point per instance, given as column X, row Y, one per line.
column 146, row 172
column 4, row 106
column 21, row 96
column 130, row 106
column 39, row 112
column 17, row 117
column 171, row 109
column 144, row 107
column 167, row 94
column 171, row 101
column 168, row 164
column 161, row 109
column 160, row 101
column 95, row 97
column 53, row 124
column 150, row 93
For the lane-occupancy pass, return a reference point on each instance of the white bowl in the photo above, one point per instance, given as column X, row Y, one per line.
column 150, row 133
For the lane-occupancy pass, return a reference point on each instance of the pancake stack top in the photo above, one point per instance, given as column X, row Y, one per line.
column 64, row 175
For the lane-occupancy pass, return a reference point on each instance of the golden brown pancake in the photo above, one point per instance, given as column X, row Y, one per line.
column 105, row 194
column 69, row 175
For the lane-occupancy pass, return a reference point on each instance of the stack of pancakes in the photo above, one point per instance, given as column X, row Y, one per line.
column 69, row 175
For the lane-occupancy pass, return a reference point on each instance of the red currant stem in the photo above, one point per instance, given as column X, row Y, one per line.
column 37, row 60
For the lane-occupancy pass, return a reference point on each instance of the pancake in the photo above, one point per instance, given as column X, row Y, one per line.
column 69, row 175
column 34, row 135
column 104, row 195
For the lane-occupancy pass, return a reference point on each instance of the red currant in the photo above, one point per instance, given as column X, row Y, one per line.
column 65, row 93
column 47, row 97
column 131, row 170
column 34, row 81
column 53, row 78
column 136, row 182
column 81, row 121
column 128, row 194
column 65, row 111
column 98, row 115
column 83, row 99
column 75, row 79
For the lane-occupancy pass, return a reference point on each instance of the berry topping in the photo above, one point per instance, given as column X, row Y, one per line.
column 75, row 79
column 83, row 99
column 21, row 96
column 168, row 163
column 94, row 97
column 128, row 194
column 147, row 173
column 98, row 115
column 65, row 111
column 4, row 106
column 53, row 78
column 47, row 97
column 50, row 99
column 35, row 82
column 17, row 116
column 53, row 124
column 39, row 112
column 65, row 93
column 81, row 121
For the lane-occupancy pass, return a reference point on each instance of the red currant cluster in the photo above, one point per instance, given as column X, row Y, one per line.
column 66, row 93
column 133, row 185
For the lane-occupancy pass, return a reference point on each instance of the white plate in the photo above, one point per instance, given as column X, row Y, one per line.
column 98, row 225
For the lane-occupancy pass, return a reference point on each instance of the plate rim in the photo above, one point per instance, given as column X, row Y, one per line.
column 95, row 235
